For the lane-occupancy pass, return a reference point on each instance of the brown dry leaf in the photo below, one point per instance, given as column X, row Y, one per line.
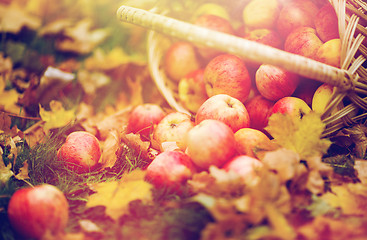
column 23, row 172
column 116, row 195
column 35, row 134
column 351, row 198
column 110, row 146
column 136, row 90
column 133, row 141
column 300, row 135
column 357, row 134
column 57, row 117
column 6, row 67
column 14, row 17
column 91, row 81
column 81, row 39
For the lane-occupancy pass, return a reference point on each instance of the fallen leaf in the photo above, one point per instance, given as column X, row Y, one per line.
column 300, row 135
column 91, row 81
column 14, row 17
column 351, row 198
column 23, row 172
column 102, row 61
column 81, row 39
column 116, row 195
column 57, row 117
column 5, row 171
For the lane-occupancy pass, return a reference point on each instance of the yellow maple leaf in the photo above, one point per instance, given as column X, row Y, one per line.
column 57, row 117
column 13, row 18
column 116, row 195
column 300, row 135
column 351, row 198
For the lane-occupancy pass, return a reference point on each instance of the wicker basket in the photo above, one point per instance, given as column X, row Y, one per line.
column 350, row 80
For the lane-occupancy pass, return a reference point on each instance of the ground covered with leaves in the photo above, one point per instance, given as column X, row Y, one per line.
column 70, row 65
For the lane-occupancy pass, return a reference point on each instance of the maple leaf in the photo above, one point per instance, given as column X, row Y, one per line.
column 116, row 195
column 81, row 39
column 14, row 17
column 57, row 116
column 23, row 172
column 351, row 198
column 300, row 135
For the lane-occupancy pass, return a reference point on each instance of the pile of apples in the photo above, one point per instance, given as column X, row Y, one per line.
column 231, row 99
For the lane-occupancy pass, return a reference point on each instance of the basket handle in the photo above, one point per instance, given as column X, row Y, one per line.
column 246, row 49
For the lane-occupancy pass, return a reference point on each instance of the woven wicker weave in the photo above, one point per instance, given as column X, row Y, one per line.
column 350, row 80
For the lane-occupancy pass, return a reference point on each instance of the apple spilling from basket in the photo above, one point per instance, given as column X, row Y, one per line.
column 230, row 100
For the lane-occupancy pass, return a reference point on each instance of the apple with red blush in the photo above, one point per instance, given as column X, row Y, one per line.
column 211, row 142
column 180, row 59
column 170, row 169
column 215, row 23
column 295, row 14
column 227, row 74
column 261, row 13
column 172, row 128
column 274, row 83
column 303, row 41
column 259, row 109
column 224, row 108
column 306, row 89
column 191, row 90
column 326, row 23
column 293, row 106
column 247, row 139
column 144, row 117
column 38, row 212
column 81, row 152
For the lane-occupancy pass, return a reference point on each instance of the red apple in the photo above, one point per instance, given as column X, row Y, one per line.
column 80, row 152
column 247, row 139
column 303, row 41
column 170, row 169
column 180, row 59
column 172, row 128
column 265, row 36
column 306, row 89
column 261, row 13
column 246, row 167
column 294, row 14
column 215, row 23
column 326, row 23
column 35, row 211
column 191, row 90
column 259, row 109
column 224, row 108
column 227, row 74
column 144, row 117
column 211, row 142
column 293, row 106
column 274, row 83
